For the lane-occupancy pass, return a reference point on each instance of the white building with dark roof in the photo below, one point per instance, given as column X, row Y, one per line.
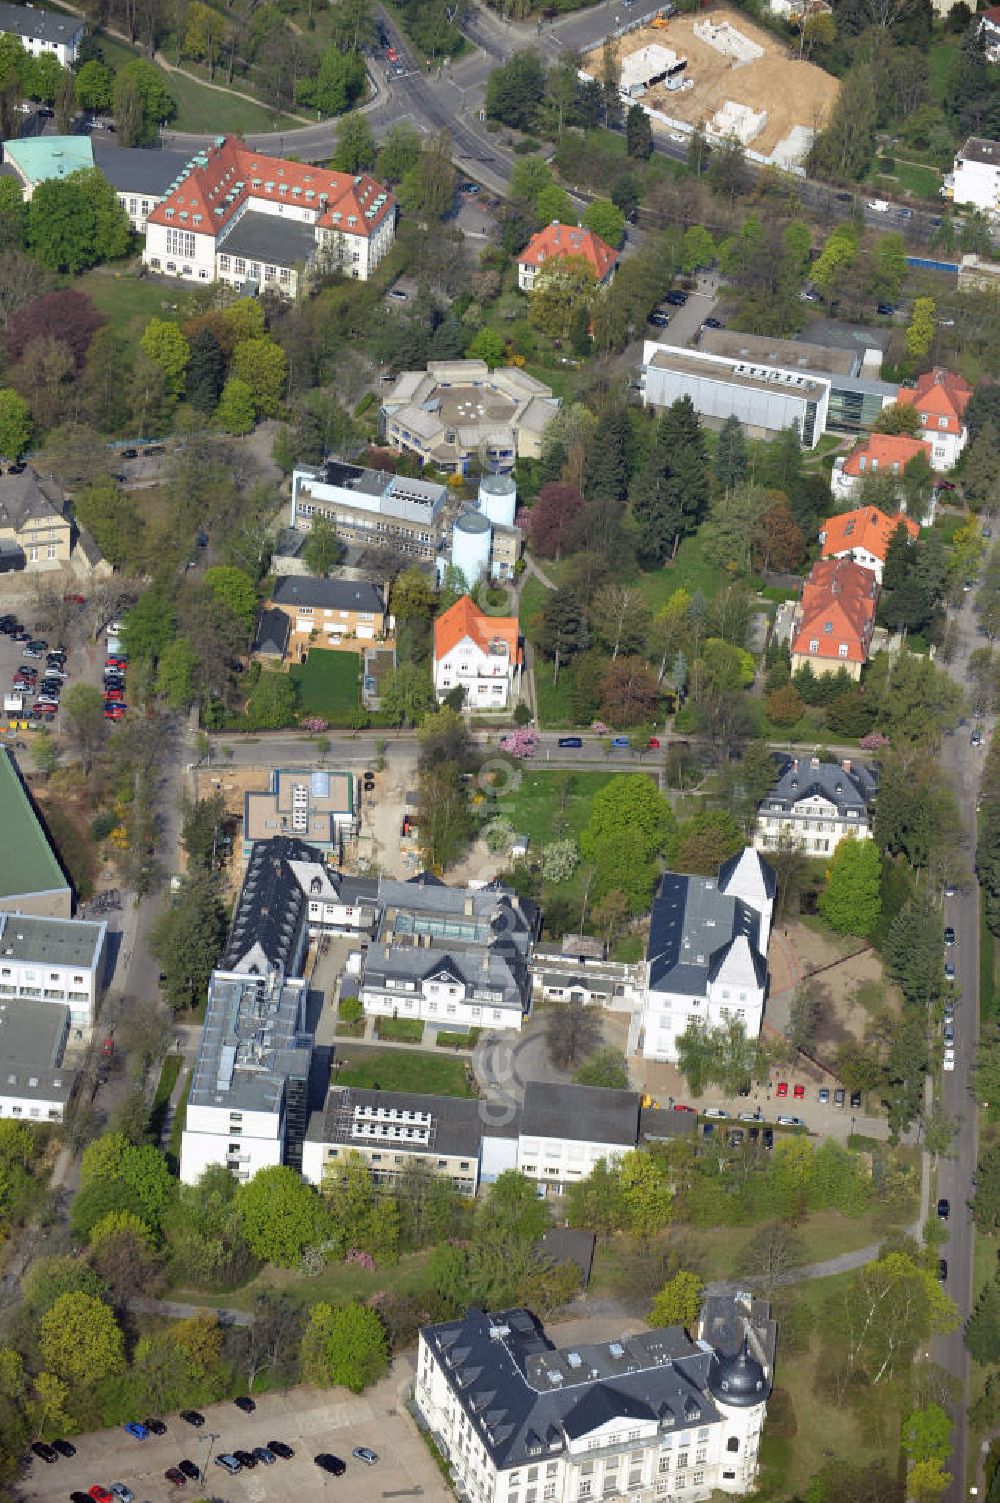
column 43, row 32
column 390, row 1131
column 706, row 957
column 566, row 1129
column 815, row 805
column 54, row 960
column 652, row 1417
column 34, row 1085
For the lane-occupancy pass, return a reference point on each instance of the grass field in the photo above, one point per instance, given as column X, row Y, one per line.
column 402, row 1070
column 941, row 61
column 921, row 181
column 400, row 1030
column 327, row 683
column 538, row 803
column 126, row 299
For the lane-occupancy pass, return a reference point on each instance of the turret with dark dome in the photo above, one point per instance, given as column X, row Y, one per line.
column 739, row 1379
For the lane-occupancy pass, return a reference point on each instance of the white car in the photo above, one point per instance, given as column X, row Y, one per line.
column 948, row 1062
column 715, row 1111
column 879, row 205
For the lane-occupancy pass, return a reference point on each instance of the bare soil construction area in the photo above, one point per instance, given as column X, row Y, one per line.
column 789, row 92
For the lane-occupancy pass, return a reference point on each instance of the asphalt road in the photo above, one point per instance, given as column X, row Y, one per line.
column 954, row 1176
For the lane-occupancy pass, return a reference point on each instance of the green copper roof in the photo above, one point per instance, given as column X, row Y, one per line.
column 38, row 158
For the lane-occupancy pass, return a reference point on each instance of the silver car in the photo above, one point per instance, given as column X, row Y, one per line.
column 363, row 1453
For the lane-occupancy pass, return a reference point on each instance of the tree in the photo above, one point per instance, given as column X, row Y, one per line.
column 629, row 805
column 851, row 900
column 606, row 1067
column 411, row 596
column 606, row 221
column 982, row 1329
column 337, row 83
column 563, row 285
column 443, row 814
column 408, row 695
column 200, row 828
column 236, row 412
column 511, row 1218
column 572, row 1032
column 121, row 1251
column 62, row 225
column 95, row 86
column 273, row 702
column 927, row 1434
column 400, row 150
column 355, row 150
column 323, row 549
column 630, row 692
column 638, row 133
column 560, row 859
column 263, row 366
column 13, row 217
column 235, row 590
column 67, row 315
column 781, row 545
column 562, row 631
column 678, row 1303
column 731, row 454
column 176, row 674
column 344, row 1346
column 647, row 1198
column 771, row 1257
column 550, row 522
column 141, row 103
column 187, row 940
column 898, row 417
column 920, row 329
column 281, row 1215
column 206, row 369
column 489, row 346
column 83, row 715
column 15, row 424
column 515, row 90
column 80, row 1341
column 164, row 344
column 804, row 1015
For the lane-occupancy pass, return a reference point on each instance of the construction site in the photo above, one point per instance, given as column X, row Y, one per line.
column 720, row 71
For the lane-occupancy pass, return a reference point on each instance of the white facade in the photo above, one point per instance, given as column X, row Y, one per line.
column 711, row 1447
column 563, row 1161
column 486, row 677
column 977, row 176
column 43, row 32
column 444, row 999
column 245, row 1141
column 767, row 399
column 945, row 446
column 711, row 966
column 34, row 963
column 815, row 826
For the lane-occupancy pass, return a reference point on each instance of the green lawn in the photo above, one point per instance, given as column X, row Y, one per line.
column 125, row 299
column 400, row 1030
column 339, row 1283
column 922, row 182
column 941, row 60
column 537, row 804
column 401, row 1070
column 327, row 683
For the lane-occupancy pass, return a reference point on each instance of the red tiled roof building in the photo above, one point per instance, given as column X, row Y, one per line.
column 835, row 617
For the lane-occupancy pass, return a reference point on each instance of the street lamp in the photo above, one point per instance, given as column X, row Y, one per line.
column 211, row 1437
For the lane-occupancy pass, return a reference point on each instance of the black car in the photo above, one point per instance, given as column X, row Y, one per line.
column 280, row 1449
column 330, row 1463
column 886, row 310
column 713, row 323
column 130, row 454
column 659, row 320
column 949, row 935
column 676, row 298
column 44, row 1452
column 944, row 1208
column 79, row 1497
column 943, row 1270
column 247, row 1405
column 767, row 1137
column 189, row 1469
column 6, row 622
column 64, row 1448
column 155, row 1426
column 246, row 1459
column 855, row 1099
column 192, row 1417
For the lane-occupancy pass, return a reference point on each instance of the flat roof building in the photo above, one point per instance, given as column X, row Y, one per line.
column 458, row 412
column 54, row 960
column 390, row 1130
column 312, row 805
column 39, row 159
column 371, row 507
column 766, row 399
column 31, row 877
column 34, row 1086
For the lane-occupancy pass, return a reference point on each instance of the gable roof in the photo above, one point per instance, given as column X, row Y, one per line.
column 569, row 240
column 939, row 393
column 329, row 594
column 847, row 785
column 272, row 633
column 25, row 498
column 464, row 620
column 837, row 608
column 46, row 25
column 865, row 527
column 221, row 180
column 885, row 451
column 693, row 926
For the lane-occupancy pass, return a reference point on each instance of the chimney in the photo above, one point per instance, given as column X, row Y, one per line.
column 846, row 764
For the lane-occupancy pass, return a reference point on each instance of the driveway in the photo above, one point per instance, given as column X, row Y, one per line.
column 308, row 1419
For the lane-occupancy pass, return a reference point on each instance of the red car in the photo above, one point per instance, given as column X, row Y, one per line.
column 653, row 743
column 782, row 1088
column 115, row 712
column 75, row 599
column 42, row 707
column 100, row 1494
column 108, row 1047
column 392, row 54
column 679, row 1107
column 117, row 661
column 799, row 1092
column 177, row 1477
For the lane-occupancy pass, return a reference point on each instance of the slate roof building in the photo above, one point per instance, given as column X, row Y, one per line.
column 565, row 1129
column 42, row 32
column 34, row 1085
column 706, row 957
column 140, row 176
column 815, row 805
column 658, row 1415
column 35, row 532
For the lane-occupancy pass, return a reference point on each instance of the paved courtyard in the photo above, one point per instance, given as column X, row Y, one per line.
column 308, row 1419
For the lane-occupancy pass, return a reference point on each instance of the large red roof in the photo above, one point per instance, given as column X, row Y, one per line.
column 569, row 240
column 225, row 178
column 465, row 619
column 865, row 527
column 883, row 452
column 837, row 609
column 938, row 394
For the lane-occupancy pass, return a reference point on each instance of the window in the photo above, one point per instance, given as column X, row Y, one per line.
column 942, row 422
column 842, row 649
column 180, row 243
column 733, row 1444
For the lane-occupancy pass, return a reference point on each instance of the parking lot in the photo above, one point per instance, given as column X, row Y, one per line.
column 85, row 660
column 307, row 1419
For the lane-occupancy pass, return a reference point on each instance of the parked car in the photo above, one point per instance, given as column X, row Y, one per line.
column 680, row 1107
column 64, row 1447
column 767, row 1137
column 799, row 1092
column 791, row 1122
column 949, row 935
column 824, row 1096
column 100, row 1494
column 332, row 1464
column 246, row 1459
column 736, row 1137
column 948, row 1061
column 192, row 1416
column 190, row 1469
column 362, row 1453
column 676, row 298
column 782, row 1088
column 713, row 323
column 570, row 742
column 228, row 1463
column 659, row 320
column 280, row 1449
column 855, row 1099
column 122, row 1493
column 246, row 1404
column 944, row 1208
column 942, row 1270
column 839, row 1097
column 261, row 1453
column 176, row 1477
column 885, row 310
column 949, row 971
column 619, row 743
column 155, row 1427
column 44, row 1451
column 716, row 1111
